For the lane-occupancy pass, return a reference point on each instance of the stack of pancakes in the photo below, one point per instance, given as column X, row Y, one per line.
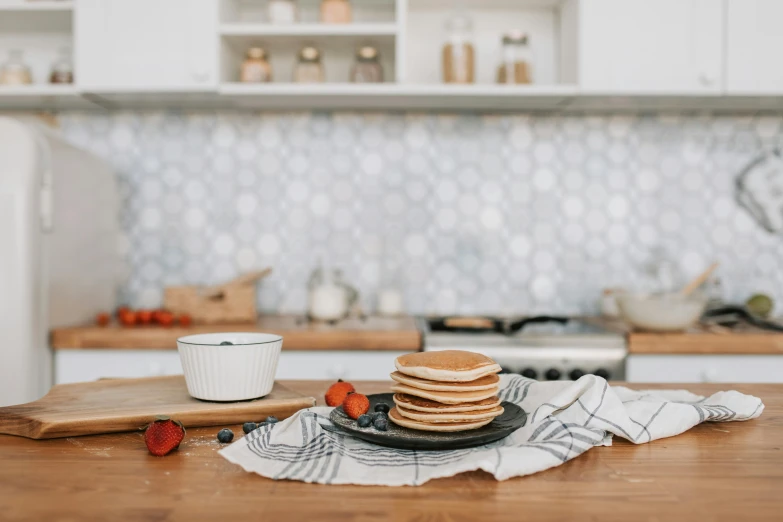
column 450, row 390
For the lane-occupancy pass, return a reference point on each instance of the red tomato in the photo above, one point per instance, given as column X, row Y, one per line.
column 144, row 316
column 185, row 320
column 128, row 318
column 165, row 319
column 102, row 319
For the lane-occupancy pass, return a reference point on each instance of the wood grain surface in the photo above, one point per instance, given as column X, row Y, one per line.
column 715, row 472
column 699, row 339
column 372, row 333
column 116, row 405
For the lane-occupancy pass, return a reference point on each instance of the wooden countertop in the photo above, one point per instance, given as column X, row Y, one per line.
column 372, row 333
column 697, row 340
column 731, row 471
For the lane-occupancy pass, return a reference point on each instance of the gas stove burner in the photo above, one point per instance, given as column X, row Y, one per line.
column 459, row 324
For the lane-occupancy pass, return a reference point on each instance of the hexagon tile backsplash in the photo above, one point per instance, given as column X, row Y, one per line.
column 465, row 214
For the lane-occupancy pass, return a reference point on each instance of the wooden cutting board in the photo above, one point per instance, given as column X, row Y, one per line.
column 115, row 405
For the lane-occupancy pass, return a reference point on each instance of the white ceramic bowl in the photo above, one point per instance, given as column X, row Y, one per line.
column 661, row 312
column 237, row 372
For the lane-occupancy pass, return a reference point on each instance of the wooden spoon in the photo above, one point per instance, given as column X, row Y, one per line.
column 698, row 280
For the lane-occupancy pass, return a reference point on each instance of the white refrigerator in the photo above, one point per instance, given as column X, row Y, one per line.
column 58, row 249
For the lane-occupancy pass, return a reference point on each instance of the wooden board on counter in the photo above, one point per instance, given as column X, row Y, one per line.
column 372, row 333
column 116, row 405
column 698, row 340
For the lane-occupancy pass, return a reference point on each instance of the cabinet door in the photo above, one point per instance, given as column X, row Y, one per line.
column 651, row 46
column 754, row 40
column 146, row 44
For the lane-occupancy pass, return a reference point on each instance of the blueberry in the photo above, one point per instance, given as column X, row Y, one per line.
column 248, row 427
column 364, row 421
column 377, row 415
column 271, row 419
column 381, row 423
column 226, row 343
column 225, row 435
column 382, row 407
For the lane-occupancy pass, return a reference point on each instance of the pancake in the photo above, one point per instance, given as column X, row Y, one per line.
column 446, row 397
column 438, row 418
column 487, row 382
column 412, row 403
column 446, row 365
column 396, row 418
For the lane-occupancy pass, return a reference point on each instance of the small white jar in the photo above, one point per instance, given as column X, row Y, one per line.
column 242, row 370
column 282, row 11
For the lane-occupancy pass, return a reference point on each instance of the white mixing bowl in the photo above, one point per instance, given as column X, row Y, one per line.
column 242, row 370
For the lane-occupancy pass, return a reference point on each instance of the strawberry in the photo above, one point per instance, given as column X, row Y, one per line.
column 336, row 393
column 356, row 404
column 102, row 319
column 163, row 436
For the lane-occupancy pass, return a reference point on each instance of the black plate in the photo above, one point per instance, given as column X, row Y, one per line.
column 512, row 418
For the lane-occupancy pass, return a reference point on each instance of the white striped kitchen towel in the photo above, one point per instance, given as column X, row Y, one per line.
column 565, row 419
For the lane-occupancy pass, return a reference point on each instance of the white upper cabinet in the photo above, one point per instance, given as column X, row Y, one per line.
column 753, row 47
column 651, row 46
column 147, row 45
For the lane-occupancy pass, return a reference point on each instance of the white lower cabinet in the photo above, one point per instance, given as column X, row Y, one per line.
column 89, row 365
column 705, row 368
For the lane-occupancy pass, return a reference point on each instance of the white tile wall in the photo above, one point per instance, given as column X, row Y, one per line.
column 466, row 214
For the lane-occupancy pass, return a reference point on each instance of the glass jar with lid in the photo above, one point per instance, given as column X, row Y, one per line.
column 309, row 68
column 367, row 68
column 336, row 12
column 14, row 71
column 458, row 52
column 62, row 69
column 256, row 67
column 282, row 11
column 515, row 65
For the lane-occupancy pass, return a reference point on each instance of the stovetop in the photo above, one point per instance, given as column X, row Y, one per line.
column 536, row 331
column 551, row 348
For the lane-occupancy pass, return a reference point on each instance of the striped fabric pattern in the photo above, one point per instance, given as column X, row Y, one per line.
column 565, row 420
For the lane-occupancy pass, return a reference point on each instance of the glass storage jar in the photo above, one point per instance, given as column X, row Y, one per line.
column 282, row 11
column 62, row 69
column 14, row 71
column 336, row 12
column 309, row 68
column 367, row 68
column 256, row 67
column 515, row 65
column 458, row 52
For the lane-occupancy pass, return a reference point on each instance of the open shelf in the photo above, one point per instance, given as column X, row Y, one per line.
column 42, row 97
column 395, row 97
column 308, row 30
